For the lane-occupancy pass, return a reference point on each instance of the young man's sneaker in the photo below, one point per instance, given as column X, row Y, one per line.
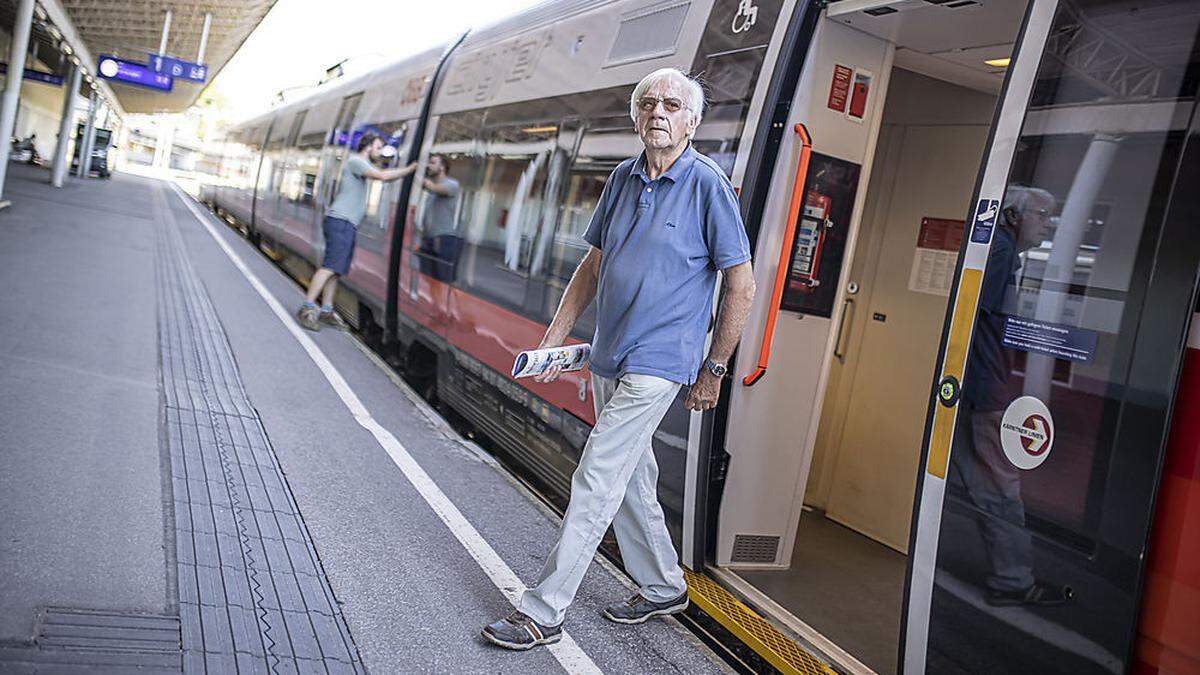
column 519, row 631
column 307, row 317
column 638, row 609
column 333, row 320
column 1039, row 593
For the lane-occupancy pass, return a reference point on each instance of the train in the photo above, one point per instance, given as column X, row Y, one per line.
column 960, row 431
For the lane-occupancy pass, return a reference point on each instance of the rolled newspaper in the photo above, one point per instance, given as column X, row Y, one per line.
column 536, row 361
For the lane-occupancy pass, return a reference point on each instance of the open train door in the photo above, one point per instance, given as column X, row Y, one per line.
column 1062, row 348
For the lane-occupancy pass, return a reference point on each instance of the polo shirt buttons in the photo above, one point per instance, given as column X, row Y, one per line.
column 649, row 189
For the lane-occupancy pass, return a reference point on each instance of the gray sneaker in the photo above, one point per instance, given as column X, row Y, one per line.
column 307, row 317
column 332, row 320
column 519, row 631
column 639, row 610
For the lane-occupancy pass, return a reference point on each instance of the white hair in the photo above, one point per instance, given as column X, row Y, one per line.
column 1017, row 197
column 693, row 92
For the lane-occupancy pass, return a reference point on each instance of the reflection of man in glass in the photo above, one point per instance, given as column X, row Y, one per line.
column 440, row 242
column 992, row 482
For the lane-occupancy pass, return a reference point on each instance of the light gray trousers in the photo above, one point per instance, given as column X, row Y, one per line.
column 616, row 482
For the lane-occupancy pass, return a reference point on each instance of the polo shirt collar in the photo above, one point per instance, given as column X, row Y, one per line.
column 673, row 174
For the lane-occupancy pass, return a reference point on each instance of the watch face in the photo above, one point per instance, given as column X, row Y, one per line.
column 717, row 369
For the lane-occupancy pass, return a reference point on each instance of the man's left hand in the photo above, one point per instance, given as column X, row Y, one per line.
column 704, row 392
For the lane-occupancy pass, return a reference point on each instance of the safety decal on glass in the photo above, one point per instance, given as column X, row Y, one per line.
column 985, row 220
column 1027, row 432
column 1052, row 339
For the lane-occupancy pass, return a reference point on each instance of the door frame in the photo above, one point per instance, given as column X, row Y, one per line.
column 708, row 462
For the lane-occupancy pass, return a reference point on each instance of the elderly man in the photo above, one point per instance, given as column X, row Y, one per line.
column 665, row 224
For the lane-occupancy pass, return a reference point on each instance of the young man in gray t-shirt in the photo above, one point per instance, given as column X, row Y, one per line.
column 341, row 229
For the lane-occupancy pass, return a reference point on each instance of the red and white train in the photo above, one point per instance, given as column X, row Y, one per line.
column 860, row 486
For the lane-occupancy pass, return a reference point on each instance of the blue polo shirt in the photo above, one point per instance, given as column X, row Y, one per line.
column 663, row 242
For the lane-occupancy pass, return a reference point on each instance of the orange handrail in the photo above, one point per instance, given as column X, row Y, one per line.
column 789, row 236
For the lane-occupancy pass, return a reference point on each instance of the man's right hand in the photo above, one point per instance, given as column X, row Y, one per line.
column 550, row 374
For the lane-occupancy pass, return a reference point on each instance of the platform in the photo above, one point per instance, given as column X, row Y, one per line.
column 188, row 480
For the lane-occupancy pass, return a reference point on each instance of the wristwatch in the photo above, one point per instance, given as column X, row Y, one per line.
column 718, row 369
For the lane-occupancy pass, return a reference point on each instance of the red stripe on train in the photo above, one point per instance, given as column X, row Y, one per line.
column 1169, row 626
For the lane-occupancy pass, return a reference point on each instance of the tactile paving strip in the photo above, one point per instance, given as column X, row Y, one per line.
column 779, row 650
column 253, row 597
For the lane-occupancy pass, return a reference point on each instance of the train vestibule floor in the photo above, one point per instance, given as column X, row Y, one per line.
column 846, row 586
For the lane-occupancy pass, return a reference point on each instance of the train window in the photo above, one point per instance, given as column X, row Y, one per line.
column 297, row 124
column 567, row 248
column 501, row 178
column 381, row 197
column 305, row 164
column 728, row 62
column 1071, row 252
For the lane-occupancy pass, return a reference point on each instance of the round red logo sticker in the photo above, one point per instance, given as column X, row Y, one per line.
column 1027, row 432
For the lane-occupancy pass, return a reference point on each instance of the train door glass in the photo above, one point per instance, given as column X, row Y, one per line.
column 1039, row 515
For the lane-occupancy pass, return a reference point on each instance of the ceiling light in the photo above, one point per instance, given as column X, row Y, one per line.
column 540, row 130
column 999, row 63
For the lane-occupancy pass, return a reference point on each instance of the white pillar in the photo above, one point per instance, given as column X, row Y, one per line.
column 89, row 128
column 162, row 44
column 166, row 139
column 12, row 88
column 204, row 37
column 66, row 127
column 1068, row 235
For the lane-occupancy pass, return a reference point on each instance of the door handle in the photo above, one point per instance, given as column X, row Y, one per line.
column 847, row 309
column 789, row 236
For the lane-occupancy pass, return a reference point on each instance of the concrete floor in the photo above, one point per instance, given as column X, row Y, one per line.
column 80, row 478
column 79, row 451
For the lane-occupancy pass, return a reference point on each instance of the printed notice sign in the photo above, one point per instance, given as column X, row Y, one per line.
column 839, row 91
column 936, row 256
column 1051, row 339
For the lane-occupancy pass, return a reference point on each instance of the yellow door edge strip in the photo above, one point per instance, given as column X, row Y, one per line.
column 758, row 634
column 953, row 364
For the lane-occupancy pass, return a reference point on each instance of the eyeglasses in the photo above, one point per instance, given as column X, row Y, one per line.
column 649, row 103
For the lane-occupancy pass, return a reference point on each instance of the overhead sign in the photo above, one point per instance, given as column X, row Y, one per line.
column 128, row 72
column 1027, row 432
column 37, row 75
column 169, row 65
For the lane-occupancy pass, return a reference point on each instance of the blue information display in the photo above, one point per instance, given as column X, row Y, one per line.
column 169, row 65
column 128, row 72
column 37, row 76
column 1051, row 339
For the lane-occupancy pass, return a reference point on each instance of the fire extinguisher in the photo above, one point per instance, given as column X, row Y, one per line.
column 810, row 239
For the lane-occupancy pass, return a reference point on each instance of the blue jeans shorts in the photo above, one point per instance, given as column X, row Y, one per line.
column 339, row 244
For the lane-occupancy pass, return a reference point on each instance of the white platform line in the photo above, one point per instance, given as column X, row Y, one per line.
column 567, row 651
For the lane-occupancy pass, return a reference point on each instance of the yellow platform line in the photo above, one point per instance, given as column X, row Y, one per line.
column 758, row 634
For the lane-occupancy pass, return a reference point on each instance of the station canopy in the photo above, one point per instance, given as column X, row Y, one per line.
column 132, row 30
